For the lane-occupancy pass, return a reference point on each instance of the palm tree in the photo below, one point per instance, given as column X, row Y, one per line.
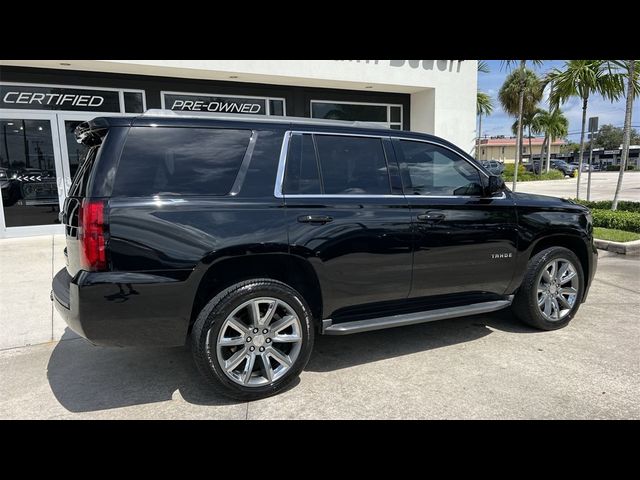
column 554, row 125
column 529, row 121
column 484, row 106
column 581, row 78
column 521, row 91
column 483, row 66
column 632, row 68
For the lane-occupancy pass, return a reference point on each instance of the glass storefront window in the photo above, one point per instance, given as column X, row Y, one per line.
column 28, row 173
column 276, row 107
column 133, row 102
column 395, row 114
column 391, row 115
column 347, row 111
column 76, row 151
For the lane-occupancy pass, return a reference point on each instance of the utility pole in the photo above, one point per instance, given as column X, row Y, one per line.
column 593, row 128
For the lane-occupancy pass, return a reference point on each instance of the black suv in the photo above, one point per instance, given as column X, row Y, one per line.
column 248, row 236
column 561, row 165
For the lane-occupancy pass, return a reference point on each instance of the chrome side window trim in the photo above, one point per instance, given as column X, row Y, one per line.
column 277, row 191
column 244, row 166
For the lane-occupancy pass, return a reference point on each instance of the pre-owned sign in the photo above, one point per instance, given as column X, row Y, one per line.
column 218, row 104
column 29, row 97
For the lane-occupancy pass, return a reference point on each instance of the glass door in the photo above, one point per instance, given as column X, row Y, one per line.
column 31, row 175
column 72, row 152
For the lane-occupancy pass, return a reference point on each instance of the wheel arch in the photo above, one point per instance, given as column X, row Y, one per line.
column 290, row 269
column 574, row 243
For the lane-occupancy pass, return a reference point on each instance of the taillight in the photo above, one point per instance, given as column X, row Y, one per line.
column 92, row 235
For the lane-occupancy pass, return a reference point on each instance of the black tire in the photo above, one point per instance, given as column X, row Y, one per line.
column 213, row 316
column 525, row 303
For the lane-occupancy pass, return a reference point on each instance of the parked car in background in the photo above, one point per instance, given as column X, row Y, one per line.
column 564, row 167
column 493, row 166
column 585, row 166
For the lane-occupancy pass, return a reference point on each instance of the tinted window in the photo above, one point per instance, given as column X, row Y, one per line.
column 81, row 177
column 432, row 170
column 396, row 113
column 182, row 161
column 276, row 107
column 352, row 165
column 133, row 102
column 345, row 111
column 301, row 175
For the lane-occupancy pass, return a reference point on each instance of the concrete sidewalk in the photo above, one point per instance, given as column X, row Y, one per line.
column 487, row 366
column 603, row 186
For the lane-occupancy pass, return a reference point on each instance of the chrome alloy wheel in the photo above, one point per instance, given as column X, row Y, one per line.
column 259, row 341
column 558, row 286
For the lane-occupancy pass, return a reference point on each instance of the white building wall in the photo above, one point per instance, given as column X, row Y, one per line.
column 446, row 88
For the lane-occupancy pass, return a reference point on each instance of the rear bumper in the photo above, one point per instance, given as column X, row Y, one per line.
column 124, row 309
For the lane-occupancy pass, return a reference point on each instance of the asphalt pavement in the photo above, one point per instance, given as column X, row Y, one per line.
column 481, row 367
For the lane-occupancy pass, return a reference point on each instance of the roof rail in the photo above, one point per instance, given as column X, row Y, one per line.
column 156, row 112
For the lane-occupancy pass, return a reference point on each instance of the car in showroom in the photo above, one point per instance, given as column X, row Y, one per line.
column 247, row 236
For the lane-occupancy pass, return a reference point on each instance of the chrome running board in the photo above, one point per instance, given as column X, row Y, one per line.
column 346, row 328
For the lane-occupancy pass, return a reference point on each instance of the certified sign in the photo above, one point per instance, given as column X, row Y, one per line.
column 58, row 98
column 214, row 103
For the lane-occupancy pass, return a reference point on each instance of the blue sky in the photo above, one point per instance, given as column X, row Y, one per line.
column 499, row 123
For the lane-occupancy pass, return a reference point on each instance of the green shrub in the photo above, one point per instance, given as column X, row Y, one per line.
column 509, row 168
column 620, row 220
column 623, row 205
column 616, row 168
column 525, row 176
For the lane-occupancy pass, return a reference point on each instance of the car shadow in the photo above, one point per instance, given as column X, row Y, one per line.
column 337, row 352
column 87, row 378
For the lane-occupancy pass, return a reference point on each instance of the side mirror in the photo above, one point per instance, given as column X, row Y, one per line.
column 495, row 185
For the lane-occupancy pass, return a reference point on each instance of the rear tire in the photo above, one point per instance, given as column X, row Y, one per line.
column 546, row 298
column 253, row 339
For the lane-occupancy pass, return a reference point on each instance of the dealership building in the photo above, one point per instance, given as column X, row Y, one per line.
column 42, row 101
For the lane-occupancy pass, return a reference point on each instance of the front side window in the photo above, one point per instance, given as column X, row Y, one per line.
column 429, row 169
column 352, row 165
column 180, row 161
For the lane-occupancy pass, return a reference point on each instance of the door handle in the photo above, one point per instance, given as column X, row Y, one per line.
column 317, row 219
column 431, row 217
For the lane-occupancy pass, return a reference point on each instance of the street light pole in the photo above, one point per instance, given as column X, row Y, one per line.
column 593, row 127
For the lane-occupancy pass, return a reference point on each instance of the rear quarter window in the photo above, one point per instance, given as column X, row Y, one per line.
column 180, row 161
column 81, row 179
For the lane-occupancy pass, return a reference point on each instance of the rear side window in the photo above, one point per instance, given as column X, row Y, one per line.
column 352, row 165
column 81, row 178
column 180, row 161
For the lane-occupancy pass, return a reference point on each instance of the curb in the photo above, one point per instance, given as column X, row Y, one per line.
column 625, row 248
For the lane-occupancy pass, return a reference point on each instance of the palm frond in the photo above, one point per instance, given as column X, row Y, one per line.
column 483, row 66
column 484, row 104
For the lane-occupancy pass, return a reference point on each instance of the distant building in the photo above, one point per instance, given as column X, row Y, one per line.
column 504, row 148
column 605, row 157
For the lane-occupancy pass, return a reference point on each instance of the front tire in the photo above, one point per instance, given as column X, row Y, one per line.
column 551, row 290
column 253, row 338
